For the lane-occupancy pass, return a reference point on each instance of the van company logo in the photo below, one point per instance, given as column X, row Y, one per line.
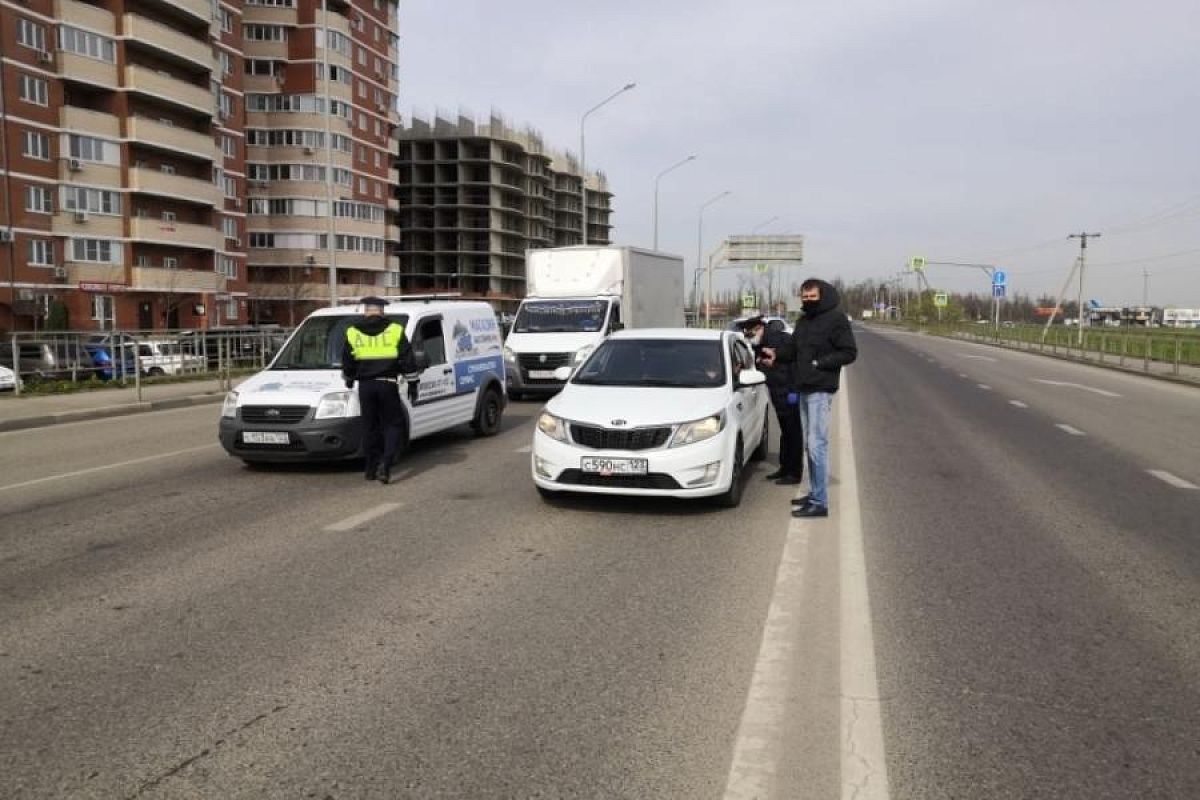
column 542, row 358
column 273, row 412
column 619, row 423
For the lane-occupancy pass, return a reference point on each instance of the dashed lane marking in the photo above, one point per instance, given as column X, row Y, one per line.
column 1173, row 480
column 978, row 358
column 1092, row 389
column 984, row 386
column 350, row 523
column 526, row 449
column 131, row 462
column 1018, row 404
column 1073, row 431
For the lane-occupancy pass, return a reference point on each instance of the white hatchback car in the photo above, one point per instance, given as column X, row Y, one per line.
column 668, row 412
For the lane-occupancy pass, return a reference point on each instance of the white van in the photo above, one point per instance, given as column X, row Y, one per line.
column 298, row 408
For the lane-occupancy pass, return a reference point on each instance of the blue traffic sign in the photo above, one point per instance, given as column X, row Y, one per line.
column 999, row 278
column 998, row 290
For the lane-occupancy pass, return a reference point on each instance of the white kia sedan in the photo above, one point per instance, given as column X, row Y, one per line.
column 672, row 412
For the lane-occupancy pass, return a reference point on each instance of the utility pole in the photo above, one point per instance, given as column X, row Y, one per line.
column 1145, row 288
column 1083, row 239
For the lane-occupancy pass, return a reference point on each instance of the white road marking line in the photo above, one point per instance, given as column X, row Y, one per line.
column 984, row 386
column 526, row 449
column 864, row 766
column 1177, row 482
column 1092, row 389
column 978, row 358
column 962, row 374
column 1018, row 404
column 1070, row 430
column 349, row 523
column 131, row 462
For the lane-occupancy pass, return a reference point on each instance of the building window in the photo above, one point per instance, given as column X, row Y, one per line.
column 265, row 33
column 169, row 216
column 96, row 201
column 228, row 267
column 35, row 90
column 230, row 186
column 38, row 199
column 226, row 21
column 86, row 148
column 226, row 62
column 170, row 262
column 41, row 252
column 85, row 43
column 167, row 169
column 229, row 146
column 102, row 308
column 99, row 250
column 30, row 34
column 229, row 228
column 35, row 145
column 143, row 261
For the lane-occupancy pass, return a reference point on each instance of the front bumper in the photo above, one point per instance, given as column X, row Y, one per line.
column 516, row 382
column 672, row 472
column 309, row 440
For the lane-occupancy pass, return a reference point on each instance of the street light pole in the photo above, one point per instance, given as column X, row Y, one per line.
column 657, row 178
column 1083, row 239
column 762, row 225
column 700, row 254
column 583, row 158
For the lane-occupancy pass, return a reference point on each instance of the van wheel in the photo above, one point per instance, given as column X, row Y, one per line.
column 760, row 452
column 515, row 396
column 733, row 496
column 487, row 419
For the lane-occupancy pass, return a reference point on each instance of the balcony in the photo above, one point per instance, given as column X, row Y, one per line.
column 150, row 181
column 70, row 224
column 168, row 41
column 74, row 67
column 166, row 87
column 87, row 272
column 93, row 123
column 85, row 15
column 152, row 279
column 180, row 234
column 199, row 9
column 169, row 137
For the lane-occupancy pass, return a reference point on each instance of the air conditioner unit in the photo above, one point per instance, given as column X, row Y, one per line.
column 81, row 216
column 74, row 164
column 6, row 235
column 45, row 57
column 310, row 259
column 308, row 151
column 60, row 272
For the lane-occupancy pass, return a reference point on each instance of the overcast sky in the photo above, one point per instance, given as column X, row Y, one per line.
column 879, row 129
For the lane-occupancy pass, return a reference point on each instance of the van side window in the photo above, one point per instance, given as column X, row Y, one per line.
column 614, row 322
column 429, row 338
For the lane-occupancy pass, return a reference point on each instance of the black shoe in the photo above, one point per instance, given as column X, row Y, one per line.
column 774, row 476
column 789, row 480
column 370, row 474
column 810, row 510
column 385, row 476
column 802, row 501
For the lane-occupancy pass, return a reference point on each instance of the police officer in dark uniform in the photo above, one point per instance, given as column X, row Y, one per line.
column 376, row 353
column 779, row 385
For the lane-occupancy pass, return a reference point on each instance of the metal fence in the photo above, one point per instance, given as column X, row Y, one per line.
column 133, row 356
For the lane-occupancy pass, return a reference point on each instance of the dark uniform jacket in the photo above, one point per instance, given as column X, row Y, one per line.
column 821, row 344
column 779, row 376
column 405, row 362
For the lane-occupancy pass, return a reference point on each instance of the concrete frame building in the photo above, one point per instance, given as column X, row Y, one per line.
column 474, row 197
column 125, row 128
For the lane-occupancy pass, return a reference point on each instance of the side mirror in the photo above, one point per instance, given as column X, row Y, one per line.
column 562, row 373
column 751, row 377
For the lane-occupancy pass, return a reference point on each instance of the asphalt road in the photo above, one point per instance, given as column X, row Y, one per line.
column 173, row 624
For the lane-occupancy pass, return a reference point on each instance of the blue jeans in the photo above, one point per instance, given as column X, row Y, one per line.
column 814, row 414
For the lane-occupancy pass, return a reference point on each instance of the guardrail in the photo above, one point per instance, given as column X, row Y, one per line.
column 133, row 356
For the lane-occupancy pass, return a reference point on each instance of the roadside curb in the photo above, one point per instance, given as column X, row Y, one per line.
column 104, row 412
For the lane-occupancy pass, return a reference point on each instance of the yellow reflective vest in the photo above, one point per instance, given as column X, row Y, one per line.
column 383, row 346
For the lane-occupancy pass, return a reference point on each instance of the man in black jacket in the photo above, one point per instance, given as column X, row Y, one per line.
column 375, row 353
column 822, row 343
column 779, row 385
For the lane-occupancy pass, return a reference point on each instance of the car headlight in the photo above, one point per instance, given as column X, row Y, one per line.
column 336, row 404
column 698, row 431
column 509, row 356
column 552, row 426
column 229, row 407
column 581, row 355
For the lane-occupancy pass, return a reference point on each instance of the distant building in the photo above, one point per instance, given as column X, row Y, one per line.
column 1181, row 317
column 474, row 197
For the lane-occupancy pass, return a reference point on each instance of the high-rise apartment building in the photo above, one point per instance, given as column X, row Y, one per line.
column 475, row 197
column 163, row 159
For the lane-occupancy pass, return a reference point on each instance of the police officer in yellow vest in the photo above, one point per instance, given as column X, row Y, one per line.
column 375, row 354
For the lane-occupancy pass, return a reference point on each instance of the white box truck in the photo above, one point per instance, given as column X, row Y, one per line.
column 576, row 296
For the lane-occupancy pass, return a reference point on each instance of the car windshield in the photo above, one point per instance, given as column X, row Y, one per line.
column 560, row 316
column 686, row 363
column 317, row 343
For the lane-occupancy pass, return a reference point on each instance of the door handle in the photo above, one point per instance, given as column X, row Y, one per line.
column 739, row 406
column 448, row 370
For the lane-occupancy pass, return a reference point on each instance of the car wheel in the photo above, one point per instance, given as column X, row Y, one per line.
column 764, row 442
column 155, row 372
column 491, row 409
column 732, row 498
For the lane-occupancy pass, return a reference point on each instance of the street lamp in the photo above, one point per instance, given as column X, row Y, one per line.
column 657, row 178
column 583, row 158
column 762, row 225
column 700, row 254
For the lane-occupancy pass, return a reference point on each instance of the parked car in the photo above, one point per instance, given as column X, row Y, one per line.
column 167, row 357
column 668, row 412
column 101, row 349
column 9, row 380
column 50, row 359
column 243, row 346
